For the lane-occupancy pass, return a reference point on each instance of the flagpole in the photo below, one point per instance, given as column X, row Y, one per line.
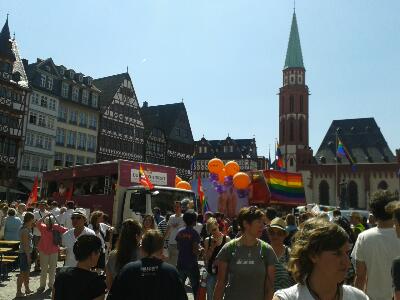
column 336, row 176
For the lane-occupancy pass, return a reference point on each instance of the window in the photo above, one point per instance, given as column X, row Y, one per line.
column 58, row 159
column 71, row 139
column 200, row 149
column 301, row 130
column 60, row 136
column 47, row 143
column 65, row 89
column 34, row 163
column 91, row 146
column 85, row 96
column 291, row 162
column 291, row 103
column 92, row 121
column 43, row 80
column 95, row 99
column 81, row 141
column 80, row 160
column 32, row 118
column 82, row 119
column 71, row 74
column 26, row 162
column 43, row 101
column 35, row 99
column 50, row 123
column 62, row 113
column 29, row 138
column 291, row 131
column 90, row 160
column 42, row 120
column 75, row 93
column 73, row 116
column 80, row 78
column 69, row 160
column 301, row 103
column 43, row 164
column 52, row 104
column 39, row 141
column 50, row 83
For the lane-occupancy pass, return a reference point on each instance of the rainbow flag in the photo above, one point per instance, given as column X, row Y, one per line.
column 343, row 152
column 202, row 198
column 285, row 188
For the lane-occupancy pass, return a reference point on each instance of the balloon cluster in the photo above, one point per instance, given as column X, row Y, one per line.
column 225, row 176
column 181, row 184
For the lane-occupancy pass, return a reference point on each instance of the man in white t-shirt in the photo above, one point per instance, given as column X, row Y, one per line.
column 175, row 223
column 375, row 250
column 69, row 238
column 65, row 218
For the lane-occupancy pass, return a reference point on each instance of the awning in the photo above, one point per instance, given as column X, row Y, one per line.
column 26, row 184
column 3, row 189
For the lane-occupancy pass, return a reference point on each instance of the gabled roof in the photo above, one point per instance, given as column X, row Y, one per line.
column 6, row 43
column 18, row 67
column 362, row 138
column 294, row 56
column 164, row 117
column 109, row 86
column 242, row 148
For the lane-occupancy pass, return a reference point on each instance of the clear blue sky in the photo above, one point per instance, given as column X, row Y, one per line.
column 225, row 58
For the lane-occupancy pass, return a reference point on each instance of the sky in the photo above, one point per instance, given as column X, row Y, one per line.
column 225, row 58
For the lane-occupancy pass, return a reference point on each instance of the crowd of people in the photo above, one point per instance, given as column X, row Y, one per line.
column 260, row 254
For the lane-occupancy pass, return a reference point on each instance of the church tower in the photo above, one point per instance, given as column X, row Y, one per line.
column 293, row 106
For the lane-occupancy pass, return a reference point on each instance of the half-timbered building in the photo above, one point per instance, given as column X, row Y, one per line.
column 243, row 151
column 121, row 127
column 14, row 91
column 168, row 137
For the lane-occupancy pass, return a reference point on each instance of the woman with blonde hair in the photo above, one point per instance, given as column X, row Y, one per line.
column 319, row 263
column 149, row 223
column 212, row 245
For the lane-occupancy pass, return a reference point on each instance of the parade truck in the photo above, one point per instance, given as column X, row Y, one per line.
column 114, row 188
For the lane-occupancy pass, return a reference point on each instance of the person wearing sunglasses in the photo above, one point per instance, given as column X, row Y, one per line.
column 78, row 220
column 277, row 234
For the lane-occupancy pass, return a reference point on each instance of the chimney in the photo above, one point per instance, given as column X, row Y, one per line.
column 25, row 63
column 145, row 104
column 38, row 60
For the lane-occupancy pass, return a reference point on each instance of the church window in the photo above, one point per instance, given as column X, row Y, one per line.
column 301, row 130
column 300, row 79
column 291, row 162
column 291, row 133
column 291, row 79
column 324, row 193
column 282, row 104
column 291, row 103
column 301, row 103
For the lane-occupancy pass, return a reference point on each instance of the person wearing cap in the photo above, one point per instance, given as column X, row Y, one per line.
column 78, row 219
column 355, row 220
column 277, row 234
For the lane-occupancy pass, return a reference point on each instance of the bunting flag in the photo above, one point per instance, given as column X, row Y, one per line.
column 144, row 180
column 33, row 196
column 343, row 152
column 286, row 188
column 200, row 194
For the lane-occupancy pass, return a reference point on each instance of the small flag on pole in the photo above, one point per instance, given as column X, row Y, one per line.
column 343, row 152
column 33, row 196
column 144, row 180
column 278, row 156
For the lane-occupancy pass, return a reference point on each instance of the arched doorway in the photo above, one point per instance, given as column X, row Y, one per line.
column 352, row 190
column 324, row 193
column 383, row 185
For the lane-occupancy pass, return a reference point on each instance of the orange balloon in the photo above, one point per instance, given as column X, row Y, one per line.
column 221, row 176
column 177, row 180
column 215, row 165
column 231, row 168
column 241, row 181
column 184, row 185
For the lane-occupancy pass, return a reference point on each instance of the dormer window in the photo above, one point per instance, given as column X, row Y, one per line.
column 71, row 74
column 43, row 80
column 75, row 94
column 48, row 68
column 50, row 83
column 80, row 78
column 85, row 96
column 95, row 100
column 62, row 71
column 89, row 81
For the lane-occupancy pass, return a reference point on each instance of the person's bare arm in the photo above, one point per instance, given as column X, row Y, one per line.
column 109, row 279
column 102, row 297
column 25, row 245
column 360, row 280
column 221, row 276
column 269, row 283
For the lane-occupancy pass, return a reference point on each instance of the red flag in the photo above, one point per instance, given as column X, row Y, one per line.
column 200, row 192
column 33, row 196
column 144, row 180
column 68, row 194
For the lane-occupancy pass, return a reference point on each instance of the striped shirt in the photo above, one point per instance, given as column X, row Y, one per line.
column 283, row 279
column 162, row 226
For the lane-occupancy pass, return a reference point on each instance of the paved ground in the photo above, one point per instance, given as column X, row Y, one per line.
column 8, row 287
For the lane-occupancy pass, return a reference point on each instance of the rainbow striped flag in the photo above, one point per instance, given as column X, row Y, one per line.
column 286, row 188
column 343, row 152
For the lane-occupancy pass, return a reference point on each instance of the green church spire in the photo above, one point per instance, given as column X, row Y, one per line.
column 294, row 57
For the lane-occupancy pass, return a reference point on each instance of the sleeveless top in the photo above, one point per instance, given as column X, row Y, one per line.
column 214, row 254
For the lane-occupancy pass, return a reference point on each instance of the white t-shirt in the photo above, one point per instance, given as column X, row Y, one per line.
column 65, row 218
column 301, row 292
column 55, row 211
column 174, row 220
column 38, row 215
column 68, row 241
column 377, row 248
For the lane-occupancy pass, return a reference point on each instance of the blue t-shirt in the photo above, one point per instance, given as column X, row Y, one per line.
column 11, row 228
column 186, row 239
